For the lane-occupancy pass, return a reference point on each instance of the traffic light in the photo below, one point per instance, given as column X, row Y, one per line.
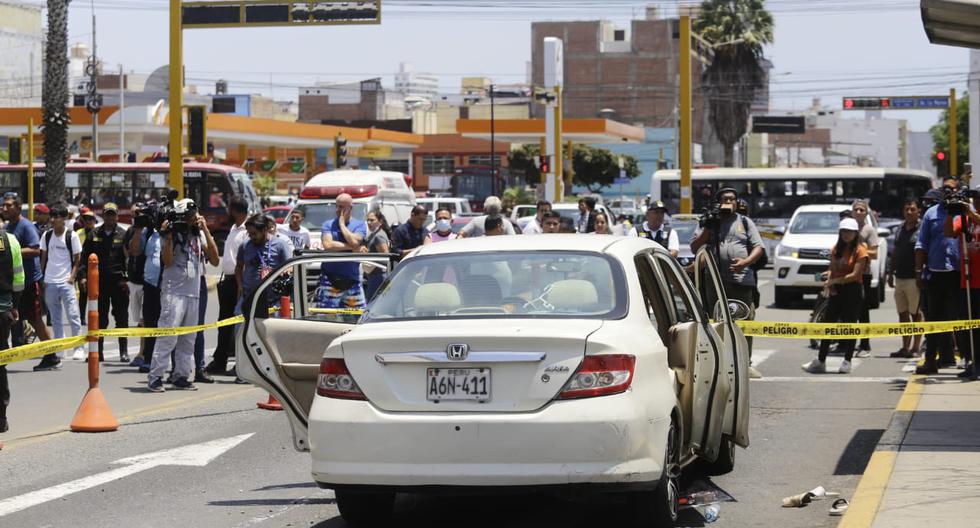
column 340, row 152
column 544, row 164
column 197, row 136
column 13, row 151
column 867, row 103
column 942, row 164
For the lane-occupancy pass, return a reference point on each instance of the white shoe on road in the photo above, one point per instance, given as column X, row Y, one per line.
column 815, row 366
column 845, row 367
column 80, row 354
column 863, row 354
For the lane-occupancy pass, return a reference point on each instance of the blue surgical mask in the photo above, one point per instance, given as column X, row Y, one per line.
column 443, row 225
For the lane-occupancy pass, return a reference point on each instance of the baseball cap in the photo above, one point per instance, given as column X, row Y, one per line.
column 110, row 207
column 933, row 194
column 41, row 208
column 657, row 205
column 726, row 190
column 87, row 212
column 849, row 224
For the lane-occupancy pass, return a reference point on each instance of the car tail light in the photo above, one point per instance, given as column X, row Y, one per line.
column 600, row 376
column 335, row 381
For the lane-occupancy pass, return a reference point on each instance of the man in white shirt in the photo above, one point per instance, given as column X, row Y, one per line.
column 228, row 287
column 298, row 235
column 60, row 248
column 476, row 228
column 534, row 227
column 654, row 229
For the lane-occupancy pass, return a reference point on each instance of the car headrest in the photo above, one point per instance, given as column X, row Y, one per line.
column 436, row 297
column 573, row 295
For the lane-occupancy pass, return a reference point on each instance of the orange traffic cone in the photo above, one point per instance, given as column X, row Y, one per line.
column 93, row 414
column 271, row 405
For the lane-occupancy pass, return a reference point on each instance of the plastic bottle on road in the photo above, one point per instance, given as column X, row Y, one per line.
column 710, row 513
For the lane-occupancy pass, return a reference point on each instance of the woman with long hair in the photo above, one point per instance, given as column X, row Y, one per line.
column 602, row 224
column 378, row 240
column 845, row 290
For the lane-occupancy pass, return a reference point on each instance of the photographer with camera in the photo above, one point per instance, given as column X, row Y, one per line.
column 963, row 223
column 736, row 245
column 187, row 244
column 106, row 241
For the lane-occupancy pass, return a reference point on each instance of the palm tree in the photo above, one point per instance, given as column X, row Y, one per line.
column 738, row 29
column 54, row 97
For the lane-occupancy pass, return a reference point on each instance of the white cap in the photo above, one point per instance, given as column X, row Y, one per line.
column 849, row 224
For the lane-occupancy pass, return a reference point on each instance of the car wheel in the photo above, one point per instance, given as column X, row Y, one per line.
column 361, row 508
column 661, row 506
column 725, row 462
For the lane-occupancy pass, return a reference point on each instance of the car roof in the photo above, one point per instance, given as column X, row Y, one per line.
column 619, row 246
column 834, row 208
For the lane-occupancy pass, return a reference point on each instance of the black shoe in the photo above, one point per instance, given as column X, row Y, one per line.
column 240, row 381
column 947, row 364
column 183, row 384
column 47, row 364
column 928, row 368
column 232, row 372
column 171, row 378
column 4, row 426
column 123, row 357
column 967, row 372
column 144, row 368
column 156, row 386
column 202, row 376
column 216, row 369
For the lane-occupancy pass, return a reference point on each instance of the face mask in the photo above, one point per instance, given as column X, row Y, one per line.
column 443, row 225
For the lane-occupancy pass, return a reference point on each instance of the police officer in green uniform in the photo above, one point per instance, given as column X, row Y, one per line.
column 11, row 287
column 108, row 241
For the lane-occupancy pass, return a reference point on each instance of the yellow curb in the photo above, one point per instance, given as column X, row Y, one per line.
column 871, row 489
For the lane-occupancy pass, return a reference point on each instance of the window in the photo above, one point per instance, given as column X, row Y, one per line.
column 438, row 164
column 684, row 310
column 393, row 165
column 651, row 293
column 484, row 159
column 114, row 187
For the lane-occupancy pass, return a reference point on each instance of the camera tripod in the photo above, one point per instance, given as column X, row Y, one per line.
column 968, row 276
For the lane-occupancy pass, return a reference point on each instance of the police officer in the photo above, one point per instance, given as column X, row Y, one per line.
column 107, row 242
column 11, row 287
column 653, row 228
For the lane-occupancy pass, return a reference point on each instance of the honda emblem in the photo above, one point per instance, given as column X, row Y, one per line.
column 457, row 352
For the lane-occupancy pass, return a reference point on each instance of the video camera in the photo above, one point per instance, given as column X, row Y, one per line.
column 710, row 217
column 957, row 200
column 147, row 215
column 177, row 213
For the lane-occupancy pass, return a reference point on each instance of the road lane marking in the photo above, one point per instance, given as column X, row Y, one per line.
column 198, row 455
column 759, row 356
column 831, row 378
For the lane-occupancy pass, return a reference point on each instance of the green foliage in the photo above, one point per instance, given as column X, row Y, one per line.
column 264, row 185
column 738, row 30
column 4, row 155
column 940, row 138
column 518, row 195
column 594, row 167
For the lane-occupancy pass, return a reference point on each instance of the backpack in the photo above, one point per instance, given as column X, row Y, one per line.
column 47, row 243
column 764, row 259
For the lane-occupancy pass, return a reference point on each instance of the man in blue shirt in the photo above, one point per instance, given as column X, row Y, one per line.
column 30, row 302
column 262, row 254
column 411, row 234
column 938, row 258
column 340, row 282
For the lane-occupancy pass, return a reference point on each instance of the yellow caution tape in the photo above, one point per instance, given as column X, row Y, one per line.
column 336, row 311
column 850, row 330
column 35, row 350
column 160, row 332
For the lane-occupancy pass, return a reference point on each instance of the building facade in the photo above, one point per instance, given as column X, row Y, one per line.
column 411, row 83
column 22, row 42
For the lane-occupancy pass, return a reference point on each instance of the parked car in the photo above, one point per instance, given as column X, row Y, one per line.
column 685, row 225
column 804, row 253
column 279, row 213
column 510, row 364
column 458, row 206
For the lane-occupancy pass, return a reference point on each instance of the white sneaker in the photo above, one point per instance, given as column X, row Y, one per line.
column 863, row 354
column 80, row 354
column 754, row 373
column 815, row 366
column 845, row 367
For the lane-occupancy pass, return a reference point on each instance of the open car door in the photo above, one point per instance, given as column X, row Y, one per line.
column 736, row 349
column 281, row 352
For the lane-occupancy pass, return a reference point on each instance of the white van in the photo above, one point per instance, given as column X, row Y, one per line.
column 385, row 191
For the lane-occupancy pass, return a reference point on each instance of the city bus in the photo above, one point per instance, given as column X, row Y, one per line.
column 773, row 194
column 93, row 185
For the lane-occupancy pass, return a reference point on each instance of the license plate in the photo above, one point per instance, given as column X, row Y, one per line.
column 457, row 384
column 818, row 277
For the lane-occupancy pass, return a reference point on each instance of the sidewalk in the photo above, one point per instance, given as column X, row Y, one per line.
column 926, row 468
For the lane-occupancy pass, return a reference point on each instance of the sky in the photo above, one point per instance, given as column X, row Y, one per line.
column 823, row 49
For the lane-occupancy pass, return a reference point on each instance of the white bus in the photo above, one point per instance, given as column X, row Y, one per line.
column 773, row 194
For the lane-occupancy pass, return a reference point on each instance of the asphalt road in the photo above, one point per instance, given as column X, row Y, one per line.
column 805, row 431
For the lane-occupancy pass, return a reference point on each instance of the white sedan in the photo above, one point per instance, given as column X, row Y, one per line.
column 509, row 363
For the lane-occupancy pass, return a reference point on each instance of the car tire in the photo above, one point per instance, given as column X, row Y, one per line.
column 362, row 508
column 725, row 462
column 661, row 506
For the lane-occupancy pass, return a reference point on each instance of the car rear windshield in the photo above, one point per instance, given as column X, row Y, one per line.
column 815, row 223
column 685, row 230
column 318, row 213
column 502, row 284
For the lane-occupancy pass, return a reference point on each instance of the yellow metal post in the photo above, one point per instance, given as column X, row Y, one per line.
column 953, row 140
column 242, row 153
column 543, row 152
column 559, row 173
column 30, row 169
column 176, row 150
column 684, row 156
column 310, row 161
column 570, row 170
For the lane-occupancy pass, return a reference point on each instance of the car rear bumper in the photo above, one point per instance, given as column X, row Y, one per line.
column 592, row 441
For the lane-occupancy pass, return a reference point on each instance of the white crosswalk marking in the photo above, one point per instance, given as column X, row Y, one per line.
column 831, row 378
column 759, row 356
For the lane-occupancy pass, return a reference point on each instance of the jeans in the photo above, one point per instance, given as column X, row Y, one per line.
column 60, row 298
column 151, row 316
column 865, row 315
column 845, row 307
column 5, row 320
column 227, row 302
column 202, row 308
column 942, row 306
column 176, row 311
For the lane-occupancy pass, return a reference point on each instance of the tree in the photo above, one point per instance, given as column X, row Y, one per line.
column 594, row 167
column 54, row 96
column 264, row 185
column 940, row 138
column 737, row 29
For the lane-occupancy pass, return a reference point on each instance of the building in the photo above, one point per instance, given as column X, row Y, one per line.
column 451, row 163
column 357, row 101
column 411, row 83
column 623, row 73
column 22, row 42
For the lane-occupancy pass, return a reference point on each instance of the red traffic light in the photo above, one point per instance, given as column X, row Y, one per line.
column 848, row 103
column 885, row 103
column 941, row 156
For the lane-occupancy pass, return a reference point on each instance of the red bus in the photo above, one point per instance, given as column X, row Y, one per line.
column 93, row 185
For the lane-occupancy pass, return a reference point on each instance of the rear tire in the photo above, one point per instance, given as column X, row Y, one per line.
column 725, row 462
column 660, row 507
column 819, row 315
column 361, row 508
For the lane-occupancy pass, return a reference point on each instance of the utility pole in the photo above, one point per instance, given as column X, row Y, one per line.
column 685, row 139
column 122, row 121
column 953, row 139
column 493, row 145
column 175, row 151
column 553, row 79
column 94, row 103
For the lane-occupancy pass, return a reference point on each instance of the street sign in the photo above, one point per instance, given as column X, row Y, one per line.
column 778, row 124
column 622, row 181
column 914, row 102
column 266, row 13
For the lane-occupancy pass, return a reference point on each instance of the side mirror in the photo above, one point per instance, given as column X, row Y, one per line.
column 884, row 233
column 738, row 310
